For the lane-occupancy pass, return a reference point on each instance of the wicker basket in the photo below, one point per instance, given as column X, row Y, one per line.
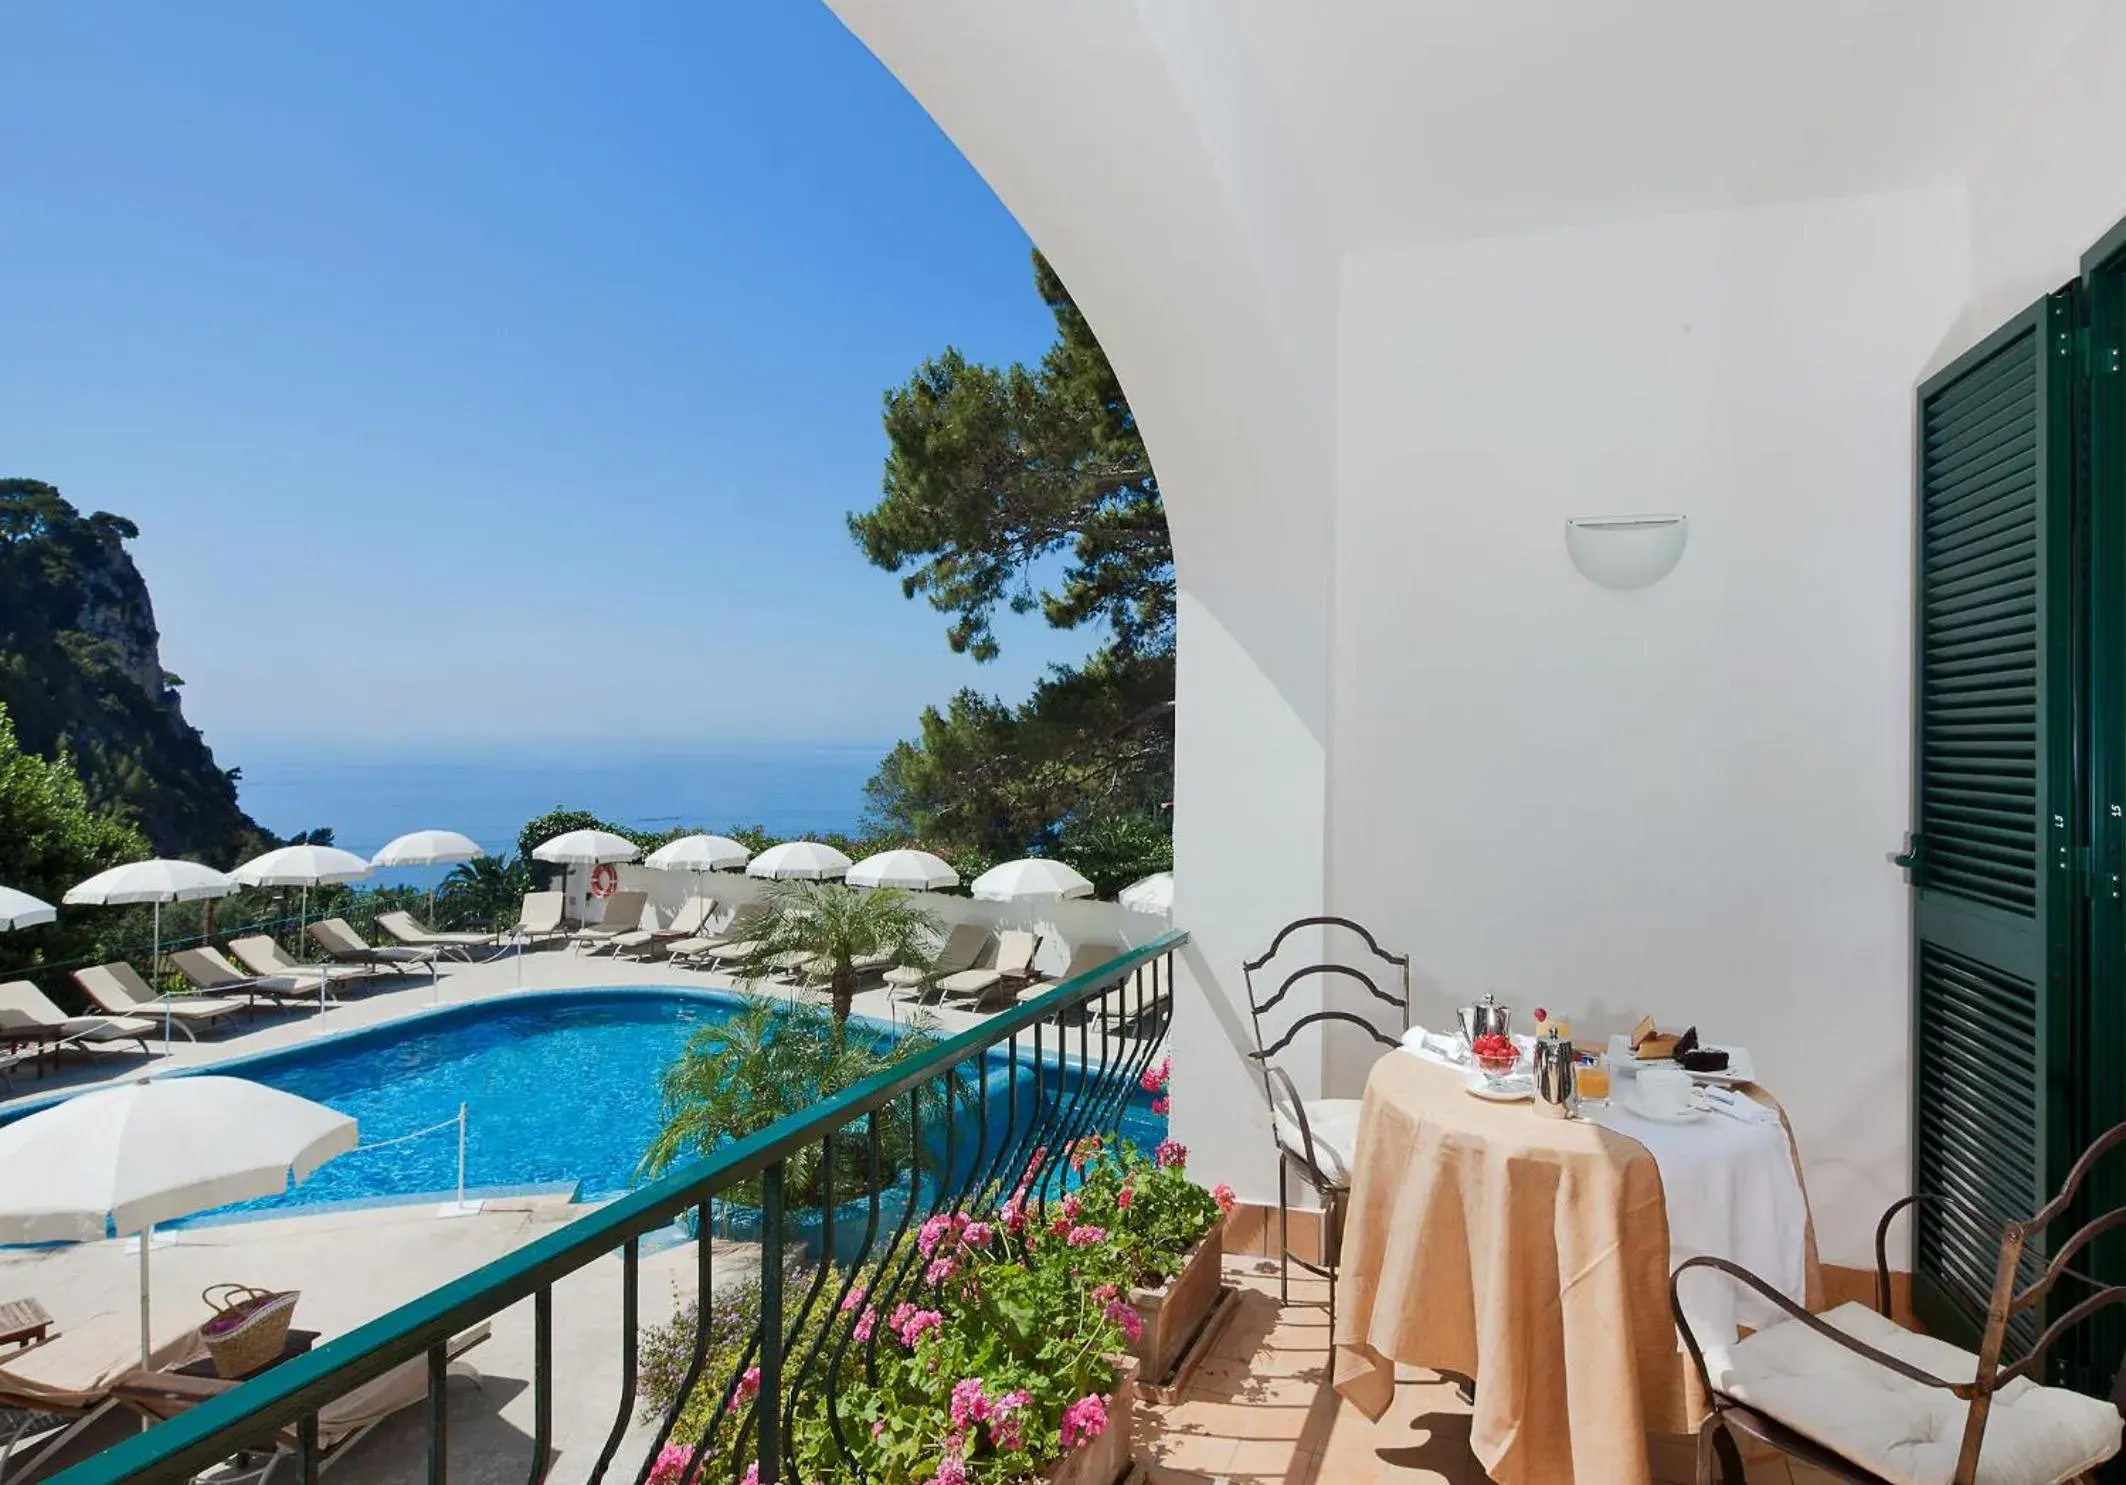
column 249, row 1326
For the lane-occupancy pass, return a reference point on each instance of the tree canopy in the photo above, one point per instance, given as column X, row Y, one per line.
column 51, row 837
column 1029, row 488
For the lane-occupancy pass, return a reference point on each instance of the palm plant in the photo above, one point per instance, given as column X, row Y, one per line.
column 769, row 1061
column 485, row 889
column 832, row 930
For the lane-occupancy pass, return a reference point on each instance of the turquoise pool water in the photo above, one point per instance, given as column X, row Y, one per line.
column 561, row 1089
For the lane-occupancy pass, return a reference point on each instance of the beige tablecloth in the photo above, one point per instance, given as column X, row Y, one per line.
column 1530, row 1254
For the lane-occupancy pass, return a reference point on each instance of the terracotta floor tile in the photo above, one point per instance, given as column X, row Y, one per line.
column 1235, row 1381
column 1240, row 1421
column 1191, row 1452
column 1256, row 1460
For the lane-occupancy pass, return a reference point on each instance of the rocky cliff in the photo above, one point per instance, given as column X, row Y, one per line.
column 81, row 674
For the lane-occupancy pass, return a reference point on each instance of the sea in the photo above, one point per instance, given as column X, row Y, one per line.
column 489, row 792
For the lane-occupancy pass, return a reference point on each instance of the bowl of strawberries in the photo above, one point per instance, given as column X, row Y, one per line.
column 1495, row 1054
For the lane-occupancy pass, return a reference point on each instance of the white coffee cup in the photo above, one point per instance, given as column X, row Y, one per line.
column 1664, row 1090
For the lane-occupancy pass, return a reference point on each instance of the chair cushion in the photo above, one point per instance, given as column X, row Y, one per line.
column 1906, row 1433
column 1334, row 1125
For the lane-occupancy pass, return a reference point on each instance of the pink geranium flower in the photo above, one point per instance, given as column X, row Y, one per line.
column 748, row 1389
column 969, row 1406
column 1154, row 1079
column 1125, row 1315
column 671, row 1464
column 1085, row 1237
column 1170, row 1154
column 1084, row 1421
column 1007, row 1421
column 1223, row 1195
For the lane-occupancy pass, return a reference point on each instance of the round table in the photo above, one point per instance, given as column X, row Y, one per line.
column 1530, row 1254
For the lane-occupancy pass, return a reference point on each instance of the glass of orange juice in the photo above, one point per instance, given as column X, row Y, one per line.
column 1592, row 1078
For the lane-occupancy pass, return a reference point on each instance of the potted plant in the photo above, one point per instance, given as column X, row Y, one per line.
column 1167, row 1234
column 987, row 1363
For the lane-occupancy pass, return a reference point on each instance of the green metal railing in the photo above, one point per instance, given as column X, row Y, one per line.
column 1069, row 1061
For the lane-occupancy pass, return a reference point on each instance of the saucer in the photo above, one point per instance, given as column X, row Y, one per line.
column 1513, row 1088
column 1633, row 1102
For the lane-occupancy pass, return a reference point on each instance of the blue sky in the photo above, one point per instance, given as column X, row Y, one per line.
column 485, row 372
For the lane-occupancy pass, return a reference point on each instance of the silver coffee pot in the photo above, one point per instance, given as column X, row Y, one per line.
column 1483, row 1018
column 1557, row 1090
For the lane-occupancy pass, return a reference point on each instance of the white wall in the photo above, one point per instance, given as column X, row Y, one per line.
column 2049, row 184
column 1678, row 800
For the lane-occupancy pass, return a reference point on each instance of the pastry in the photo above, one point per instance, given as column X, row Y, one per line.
column 1656, row 1047
column 1642, row 1031
column 1702, row 1059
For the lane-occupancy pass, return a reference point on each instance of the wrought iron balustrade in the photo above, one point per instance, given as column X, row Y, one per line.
column 939, row 1133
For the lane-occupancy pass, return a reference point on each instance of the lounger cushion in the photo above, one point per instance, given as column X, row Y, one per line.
column 1334, row 1124
column 970, row 982
column 1906, row 1433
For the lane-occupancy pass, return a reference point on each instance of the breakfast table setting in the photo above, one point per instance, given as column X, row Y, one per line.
column 1517, row 1204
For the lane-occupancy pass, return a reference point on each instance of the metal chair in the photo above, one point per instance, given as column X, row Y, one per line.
column 1814, row 1387
column 1317, row 1136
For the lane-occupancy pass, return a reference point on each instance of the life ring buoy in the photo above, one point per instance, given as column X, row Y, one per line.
column 604, row 878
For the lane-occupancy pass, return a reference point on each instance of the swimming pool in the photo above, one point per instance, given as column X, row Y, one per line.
column 561, row 1089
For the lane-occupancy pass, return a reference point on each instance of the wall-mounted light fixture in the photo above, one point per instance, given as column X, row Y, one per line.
column 1626, row 551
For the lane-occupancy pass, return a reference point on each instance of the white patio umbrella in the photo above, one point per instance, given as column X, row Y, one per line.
column 158, row 881
column 305, row 867
column 911, row 871
column 805, row 859
column 699, row 853
column 1152, row 894
column 428, row 848
column 585, row 848
column 20, row 910
column 126, row 1158
column 1030, row 879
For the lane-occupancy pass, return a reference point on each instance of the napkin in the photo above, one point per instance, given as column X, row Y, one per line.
column 1737, row 1106
column 1434, row 1047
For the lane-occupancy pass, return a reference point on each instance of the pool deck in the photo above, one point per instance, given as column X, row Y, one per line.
column 352, row 1266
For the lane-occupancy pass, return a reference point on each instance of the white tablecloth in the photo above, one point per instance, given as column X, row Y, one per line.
column 1730, row 1189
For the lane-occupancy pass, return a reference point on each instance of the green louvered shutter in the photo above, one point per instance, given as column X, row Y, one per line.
column 1993, row 857
column 2101, row 1077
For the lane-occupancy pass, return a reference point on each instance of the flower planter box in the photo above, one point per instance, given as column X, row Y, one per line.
column 1106, row 1458
column 1175, row 1312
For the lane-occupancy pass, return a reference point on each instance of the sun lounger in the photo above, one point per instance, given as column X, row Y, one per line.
column 118, row 989
column 267, row 959
column 162, row 1394
column 210, row 973
column 623, row 914
column 412, row 933
column 1012, row 964
column 539, row 919
column 1116, row 1005
column 28, row 1015
column 962, row 950
column 734, row 931
column 687, row 923
column 344, row 946
column 63, row 1384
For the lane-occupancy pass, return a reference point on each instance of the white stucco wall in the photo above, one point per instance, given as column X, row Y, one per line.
column 2050, row 182
column 1678, row 800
